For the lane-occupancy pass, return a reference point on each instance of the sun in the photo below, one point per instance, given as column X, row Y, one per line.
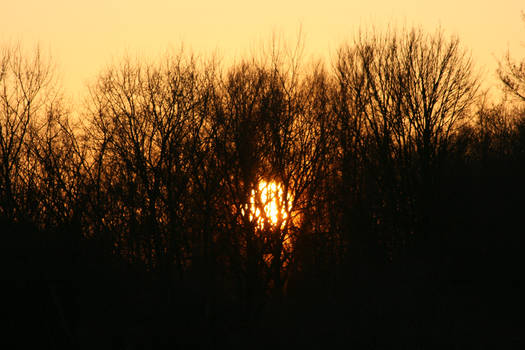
column 269, row 205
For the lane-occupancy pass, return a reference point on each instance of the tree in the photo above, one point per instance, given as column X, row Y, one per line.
column 512, row 74
column 402, row 97
column 145, row 121
column 28, row 92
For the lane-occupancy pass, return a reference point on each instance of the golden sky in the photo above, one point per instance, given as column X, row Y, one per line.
column 83, row 36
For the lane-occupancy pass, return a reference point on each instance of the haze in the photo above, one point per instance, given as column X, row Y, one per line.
column 84, row 36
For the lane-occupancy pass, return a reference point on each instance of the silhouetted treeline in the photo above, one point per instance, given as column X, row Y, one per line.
column 399, row 221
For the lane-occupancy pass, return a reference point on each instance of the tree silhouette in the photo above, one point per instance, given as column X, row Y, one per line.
column 403, row 97
column 27, row 95
column 368, row 202
column 512, row 74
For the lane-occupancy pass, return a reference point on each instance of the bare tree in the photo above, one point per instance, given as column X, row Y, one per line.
column 27, row 94
column 143, row 120
column 56, row 170
column 512, row 74
column 403, row 96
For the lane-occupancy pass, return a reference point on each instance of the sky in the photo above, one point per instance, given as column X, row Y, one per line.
column 84, row 36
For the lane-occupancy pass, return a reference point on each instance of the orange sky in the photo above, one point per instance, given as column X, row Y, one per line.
column 85, row 35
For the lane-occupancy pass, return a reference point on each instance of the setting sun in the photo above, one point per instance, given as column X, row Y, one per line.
column 268, row 205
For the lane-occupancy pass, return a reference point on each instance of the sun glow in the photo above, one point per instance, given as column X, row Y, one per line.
column 269, row 206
